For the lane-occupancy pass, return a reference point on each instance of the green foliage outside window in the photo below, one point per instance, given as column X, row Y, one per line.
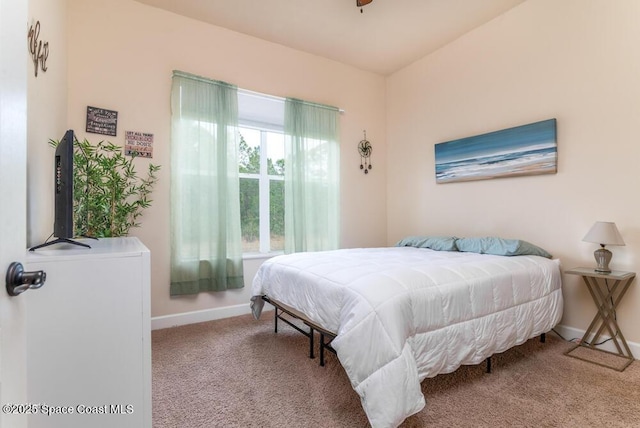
column 249, row 163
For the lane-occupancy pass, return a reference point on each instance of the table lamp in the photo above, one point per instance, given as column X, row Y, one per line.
column 603, row 233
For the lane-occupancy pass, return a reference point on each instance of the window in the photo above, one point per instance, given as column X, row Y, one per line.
column 228, row 147
column 261, row 170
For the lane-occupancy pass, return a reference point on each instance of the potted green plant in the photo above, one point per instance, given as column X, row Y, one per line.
column 109, row 196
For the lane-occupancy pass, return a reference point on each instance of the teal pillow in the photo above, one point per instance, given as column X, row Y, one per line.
column 437, row 243
column 500, row 247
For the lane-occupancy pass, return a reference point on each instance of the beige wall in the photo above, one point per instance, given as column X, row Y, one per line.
column 574, row 60
column 121, row 55
column 46, row 115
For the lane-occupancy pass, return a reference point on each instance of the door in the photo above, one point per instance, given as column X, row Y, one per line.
column 13, row 167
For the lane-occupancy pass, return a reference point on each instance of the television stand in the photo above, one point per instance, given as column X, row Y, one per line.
column 90, row 326
column 59, row 241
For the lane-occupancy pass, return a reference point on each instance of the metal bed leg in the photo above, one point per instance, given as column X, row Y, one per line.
column 310, row 335
column 275, row 329
column 278, row 311
column 311, row 342
column 325, row 345
column 543, row 339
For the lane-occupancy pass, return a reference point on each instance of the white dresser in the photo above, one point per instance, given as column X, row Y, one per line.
column 89, row 335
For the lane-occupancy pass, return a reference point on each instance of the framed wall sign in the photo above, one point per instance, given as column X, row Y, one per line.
column 138, row 144
column 102, row 121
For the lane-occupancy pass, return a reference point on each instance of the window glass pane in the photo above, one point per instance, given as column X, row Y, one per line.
column 276, row 214
column 249, row 151
column 252, row 179
column 275, row 153
column 250, row 214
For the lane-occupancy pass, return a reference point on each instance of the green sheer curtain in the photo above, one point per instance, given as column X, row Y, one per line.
column 312, row 177
column 206, row 249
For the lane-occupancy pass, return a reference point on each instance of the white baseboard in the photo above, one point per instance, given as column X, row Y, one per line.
column 572, row 333
column 175, row 320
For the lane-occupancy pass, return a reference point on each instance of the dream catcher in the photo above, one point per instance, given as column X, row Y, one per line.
column 365, row 149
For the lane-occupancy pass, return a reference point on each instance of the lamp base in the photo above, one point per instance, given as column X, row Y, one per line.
column 603, row 257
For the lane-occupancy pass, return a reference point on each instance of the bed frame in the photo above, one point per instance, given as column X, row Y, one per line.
column 326, row 336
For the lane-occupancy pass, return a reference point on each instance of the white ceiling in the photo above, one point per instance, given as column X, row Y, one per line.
column 386, row 36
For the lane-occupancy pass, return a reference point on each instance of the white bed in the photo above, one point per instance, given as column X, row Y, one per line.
column 402, row 314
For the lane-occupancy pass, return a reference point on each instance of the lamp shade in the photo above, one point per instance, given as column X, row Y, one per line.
column 604, row 233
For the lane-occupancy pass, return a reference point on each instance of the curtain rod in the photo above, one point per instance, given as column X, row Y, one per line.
column 201, row 78
column 274, row 97
column 247, row 91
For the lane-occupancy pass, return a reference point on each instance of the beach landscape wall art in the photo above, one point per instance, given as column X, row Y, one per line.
column 523, row 150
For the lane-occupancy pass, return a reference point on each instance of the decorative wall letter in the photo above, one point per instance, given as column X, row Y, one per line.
column 39, row 51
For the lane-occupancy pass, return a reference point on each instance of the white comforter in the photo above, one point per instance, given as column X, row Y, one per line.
column 403, row 314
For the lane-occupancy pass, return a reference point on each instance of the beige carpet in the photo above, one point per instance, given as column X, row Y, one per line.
column 237, row 373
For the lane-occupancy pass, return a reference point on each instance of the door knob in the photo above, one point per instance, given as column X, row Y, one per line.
column 19, row 281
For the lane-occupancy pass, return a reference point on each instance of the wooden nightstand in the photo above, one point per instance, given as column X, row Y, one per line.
column 607, row 290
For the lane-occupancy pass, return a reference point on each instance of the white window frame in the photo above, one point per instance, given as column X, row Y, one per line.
column 264, row 181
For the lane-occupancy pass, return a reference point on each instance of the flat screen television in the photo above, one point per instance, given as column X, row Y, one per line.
column 63, row 196
column 63, row 193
